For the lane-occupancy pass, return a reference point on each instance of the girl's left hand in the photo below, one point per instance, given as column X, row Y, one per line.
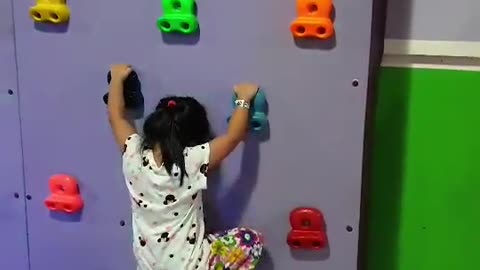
column 120, row 72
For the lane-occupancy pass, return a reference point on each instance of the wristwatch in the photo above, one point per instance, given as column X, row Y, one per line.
column 241, row 103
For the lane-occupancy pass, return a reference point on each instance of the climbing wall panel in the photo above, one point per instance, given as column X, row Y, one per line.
column 13, row 247
column 310, row 156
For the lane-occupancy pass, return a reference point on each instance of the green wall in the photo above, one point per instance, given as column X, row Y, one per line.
column 424, row 209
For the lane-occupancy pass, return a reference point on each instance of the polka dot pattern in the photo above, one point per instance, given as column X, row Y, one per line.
column 167, row 217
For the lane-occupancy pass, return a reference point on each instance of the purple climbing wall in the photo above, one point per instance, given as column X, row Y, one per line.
column 312, row 157
column 13, row 232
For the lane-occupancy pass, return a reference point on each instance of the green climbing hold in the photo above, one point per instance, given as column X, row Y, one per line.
column 178, row 16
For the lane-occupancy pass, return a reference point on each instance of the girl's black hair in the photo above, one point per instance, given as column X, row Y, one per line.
column 176, row 123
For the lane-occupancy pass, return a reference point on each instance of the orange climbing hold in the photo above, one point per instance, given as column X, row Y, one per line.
column 313, row 19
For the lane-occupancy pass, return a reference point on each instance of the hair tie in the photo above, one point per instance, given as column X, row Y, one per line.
column 171, row 104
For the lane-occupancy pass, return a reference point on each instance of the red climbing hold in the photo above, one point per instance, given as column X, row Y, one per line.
column 65, row 194
column 308, row 229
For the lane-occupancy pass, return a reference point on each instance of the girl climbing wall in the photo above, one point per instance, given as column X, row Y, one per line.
column 166, row 170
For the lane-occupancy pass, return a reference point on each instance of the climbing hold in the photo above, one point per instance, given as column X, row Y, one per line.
column 258, row 121
column 178, row 16
column 313, row 19
column 50, row 11
column 308, row 229
column 132, row 91
column 258, row 112
column 65, row 195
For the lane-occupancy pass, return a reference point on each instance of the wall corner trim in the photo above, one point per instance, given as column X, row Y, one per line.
column 432, row 48
column 432, row 62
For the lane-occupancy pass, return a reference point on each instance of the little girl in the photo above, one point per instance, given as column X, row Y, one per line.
column 166, row 170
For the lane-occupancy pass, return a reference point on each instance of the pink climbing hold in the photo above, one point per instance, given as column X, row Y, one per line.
column 65, row 194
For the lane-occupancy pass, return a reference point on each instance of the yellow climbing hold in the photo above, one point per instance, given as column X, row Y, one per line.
column 50, row 11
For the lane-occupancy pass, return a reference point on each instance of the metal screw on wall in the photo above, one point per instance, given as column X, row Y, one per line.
column 355, row 83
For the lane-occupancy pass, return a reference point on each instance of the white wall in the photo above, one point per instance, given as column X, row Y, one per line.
column 433, row 28
column 451, row 20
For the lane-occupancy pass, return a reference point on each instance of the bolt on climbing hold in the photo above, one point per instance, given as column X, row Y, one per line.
column 178, row 16
column 50, row 11
column 313, row 19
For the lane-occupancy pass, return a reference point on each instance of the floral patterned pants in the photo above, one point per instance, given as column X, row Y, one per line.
column 235, row 249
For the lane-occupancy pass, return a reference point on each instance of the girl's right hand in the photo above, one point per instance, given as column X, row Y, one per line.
column 120, row 72
column 246, row 91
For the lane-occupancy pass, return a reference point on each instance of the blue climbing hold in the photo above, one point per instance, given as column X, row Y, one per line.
column 258, row 112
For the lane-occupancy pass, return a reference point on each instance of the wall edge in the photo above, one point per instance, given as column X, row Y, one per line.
column 432, row 47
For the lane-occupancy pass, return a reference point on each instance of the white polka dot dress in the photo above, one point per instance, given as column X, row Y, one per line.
column 167, row 219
